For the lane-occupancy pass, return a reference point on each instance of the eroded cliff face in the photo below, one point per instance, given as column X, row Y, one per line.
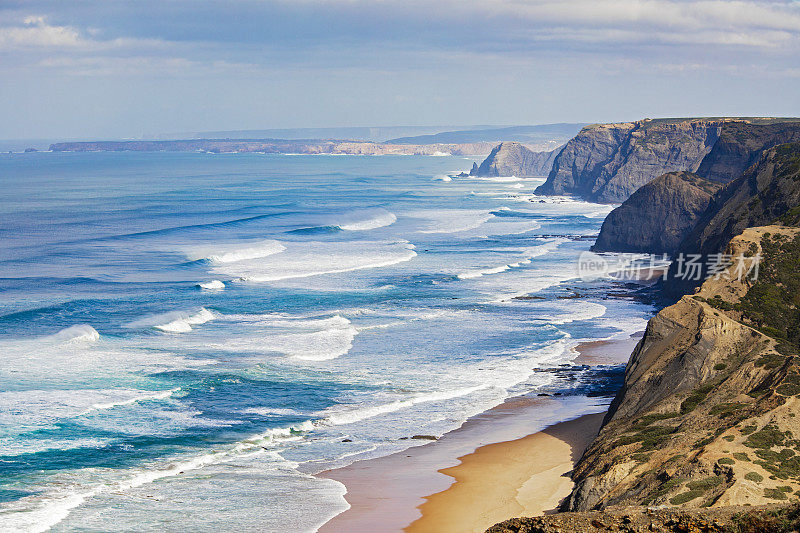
column 740, row 145
column 658, row 216
column 515, row 159
column 608, row 162
column 768, row 191
column 707, row 414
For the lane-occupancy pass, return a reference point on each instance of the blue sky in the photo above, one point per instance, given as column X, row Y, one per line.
column 111, row 69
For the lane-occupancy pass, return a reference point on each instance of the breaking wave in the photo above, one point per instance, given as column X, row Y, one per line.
column 175, row 321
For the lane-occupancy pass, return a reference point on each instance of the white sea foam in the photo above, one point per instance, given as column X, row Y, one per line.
column 526, row 257
column 299, row 337
column 442, row 177
column 231, row 253
column 362, row 413
column 497, row 179
column 306, row 259
column 478, row 273
column 50, row 510
column 175, row 321
column 572, row 312
column 213, row 285
column 451, row 220
column 129, row 401
column 373, row 219
column 79, row 333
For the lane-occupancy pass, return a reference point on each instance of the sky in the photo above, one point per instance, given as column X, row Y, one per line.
column 83, row 69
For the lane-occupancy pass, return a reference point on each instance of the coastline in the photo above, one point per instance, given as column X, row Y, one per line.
column 521, row 449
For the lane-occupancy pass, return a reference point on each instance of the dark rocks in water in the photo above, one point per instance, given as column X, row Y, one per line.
column 424, row 437
column 571, row 296
column 515, row 159
column 29, row 150
column 347, row 440
column 658, row 216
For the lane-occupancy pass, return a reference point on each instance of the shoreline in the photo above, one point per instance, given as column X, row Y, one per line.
column 520, row 448
column 523, row 477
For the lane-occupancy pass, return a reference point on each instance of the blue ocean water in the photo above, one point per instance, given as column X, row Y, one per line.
column 186, row 339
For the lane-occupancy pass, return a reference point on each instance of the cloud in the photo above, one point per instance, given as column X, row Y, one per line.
column 35, row 32
column 394, row 35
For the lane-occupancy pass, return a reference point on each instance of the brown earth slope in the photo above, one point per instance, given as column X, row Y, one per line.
column 707, row 416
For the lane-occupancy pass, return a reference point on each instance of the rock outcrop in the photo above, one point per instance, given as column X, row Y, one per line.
column 765, row 193
column 706, row 416
column 740, row 145
column 608, row 162
column 658, row 216
column 515, row 159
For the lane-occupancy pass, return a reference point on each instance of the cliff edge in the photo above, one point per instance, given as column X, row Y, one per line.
column 608, row 162
column 705, row 425
column 515, row 159
column 658, row 216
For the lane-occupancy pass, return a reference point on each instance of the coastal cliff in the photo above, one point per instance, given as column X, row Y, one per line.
column 740, row 145
column 767, row 192
column 276, row 146
column 608, row 162
column 515, row 159
column 706, row 414
column 658, row 216
column 705, row 422
column 704, row 434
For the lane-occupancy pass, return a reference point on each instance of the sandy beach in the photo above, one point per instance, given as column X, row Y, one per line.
column 509, row 461
column 523, row 477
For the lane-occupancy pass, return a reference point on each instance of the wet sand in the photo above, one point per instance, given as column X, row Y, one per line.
column 523, row 477
column 502, row 463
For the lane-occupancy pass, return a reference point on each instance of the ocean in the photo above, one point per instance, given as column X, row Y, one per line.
column 187, row 338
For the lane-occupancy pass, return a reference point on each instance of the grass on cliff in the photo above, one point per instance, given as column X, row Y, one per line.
column 773, row 302
column 783, row 520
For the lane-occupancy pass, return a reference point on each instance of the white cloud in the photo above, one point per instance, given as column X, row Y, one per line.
column 35, row 32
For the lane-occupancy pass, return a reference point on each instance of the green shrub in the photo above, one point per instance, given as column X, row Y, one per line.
column 754, row 476
column 767, row 437
column 727, row 409
column 706, row 483
column 775, row 494
column 726, row 461
column 684, row 497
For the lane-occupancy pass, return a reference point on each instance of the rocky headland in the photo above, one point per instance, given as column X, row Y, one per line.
column 516, row 159
column 283, row 146
column 706, row 419
column 658, row 216
column 609, row 162
column 704, row 433
column 767, row 192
